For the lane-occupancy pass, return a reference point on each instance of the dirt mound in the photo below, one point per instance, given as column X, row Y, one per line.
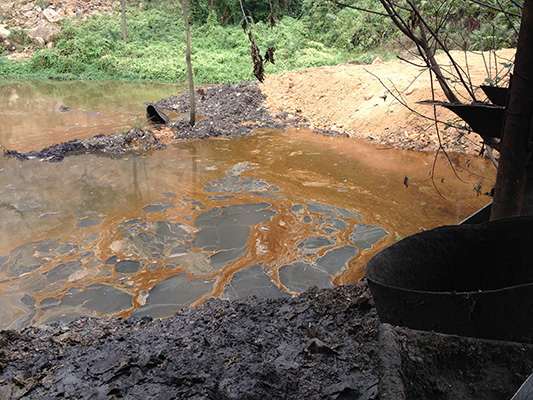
column 364, row 100
column 223, row 110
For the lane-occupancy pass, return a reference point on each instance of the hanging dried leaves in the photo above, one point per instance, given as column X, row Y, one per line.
column 259, row 71
column 269, row 55
column 271, row 20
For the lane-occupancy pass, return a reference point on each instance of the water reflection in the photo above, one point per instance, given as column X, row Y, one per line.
column 270, row 215
column 34, row 115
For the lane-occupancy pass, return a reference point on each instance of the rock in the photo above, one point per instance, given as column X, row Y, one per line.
column 4, row 33
column 52, row 15
column 38, row 40
column 43, row 33
column 29, row 14
column 8, row 5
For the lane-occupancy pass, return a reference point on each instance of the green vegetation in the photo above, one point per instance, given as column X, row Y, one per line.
column 354, row 30
column 309, row 33
column 155, row 50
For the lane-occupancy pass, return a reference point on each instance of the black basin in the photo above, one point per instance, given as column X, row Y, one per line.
column 497, row 95
column 469, row 280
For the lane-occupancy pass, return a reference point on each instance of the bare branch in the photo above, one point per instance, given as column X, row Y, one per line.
column 483, row 4
column 431, row 58
column 358, row 8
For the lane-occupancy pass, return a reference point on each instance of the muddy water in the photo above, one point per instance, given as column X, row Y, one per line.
column 270, row 215
column 33, row 114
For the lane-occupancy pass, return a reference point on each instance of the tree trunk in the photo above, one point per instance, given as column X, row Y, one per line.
column 192, row 119
column 512, row 170
column 124, row 20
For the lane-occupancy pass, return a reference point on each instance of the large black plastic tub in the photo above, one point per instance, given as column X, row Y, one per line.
column 469, row 280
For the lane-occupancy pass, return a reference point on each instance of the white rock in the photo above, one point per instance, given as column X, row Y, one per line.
column 4, row 32
column 38, row 40
column 6, row 5
column 43, row 33
column 52, row 15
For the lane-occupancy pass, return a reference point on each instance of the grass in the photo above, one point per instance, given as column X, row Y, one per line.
column 155, row 50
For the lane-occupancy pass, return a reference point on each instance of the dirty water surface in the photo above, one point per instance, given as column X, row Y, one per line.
column 40, row 113
column 270, row 215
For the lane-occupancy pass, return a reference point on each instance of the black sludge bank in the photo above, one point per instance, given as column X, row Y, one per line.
column 469, row 280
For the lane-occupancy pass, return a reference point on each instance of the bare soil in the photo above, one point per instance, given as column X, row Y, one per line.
column 381, row 102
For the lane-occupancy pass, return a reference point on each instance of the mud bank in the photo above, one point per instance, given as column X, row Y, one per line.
column 225, row 110
column 324, row 344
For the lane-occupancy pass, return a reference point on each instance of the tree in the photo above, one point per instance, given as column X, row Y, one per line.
column 514, row 152
column 192, row 119
column 124, row 20
column 517, row 130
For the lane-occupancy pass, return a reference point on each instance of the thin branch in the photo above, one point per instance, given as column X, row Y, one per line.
column 358, row 8
column 256, row 57
column 483, row 4
column 411, row 62
column 508, row 18
column 491, row 156
column 456, row 66
column 441, row 147
column 402, row 102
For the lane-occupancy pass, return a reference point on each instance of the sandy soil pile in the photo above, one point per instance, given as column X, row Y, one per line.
column 364, row 100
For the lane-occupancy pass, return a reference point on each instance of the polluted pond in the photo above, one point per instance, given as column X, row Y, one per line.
column 146, row 235
column 179, row 250
column 266, row 235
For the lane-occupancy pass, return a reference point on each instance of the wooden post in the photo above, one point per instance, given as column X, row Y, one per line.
column 192, row 119
column 512, row 171
column 124, row 20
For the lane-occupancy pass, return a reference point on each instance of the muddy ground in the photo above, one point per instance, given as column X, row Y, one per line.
column 324, row 344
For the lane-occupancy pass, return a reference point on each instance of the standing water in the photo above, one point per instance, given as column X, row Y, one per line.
column 148, row 234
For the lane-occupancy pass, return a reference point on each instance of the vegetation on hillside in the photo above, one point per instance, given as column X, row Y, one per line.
column 307, row 33
column 155, row 49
